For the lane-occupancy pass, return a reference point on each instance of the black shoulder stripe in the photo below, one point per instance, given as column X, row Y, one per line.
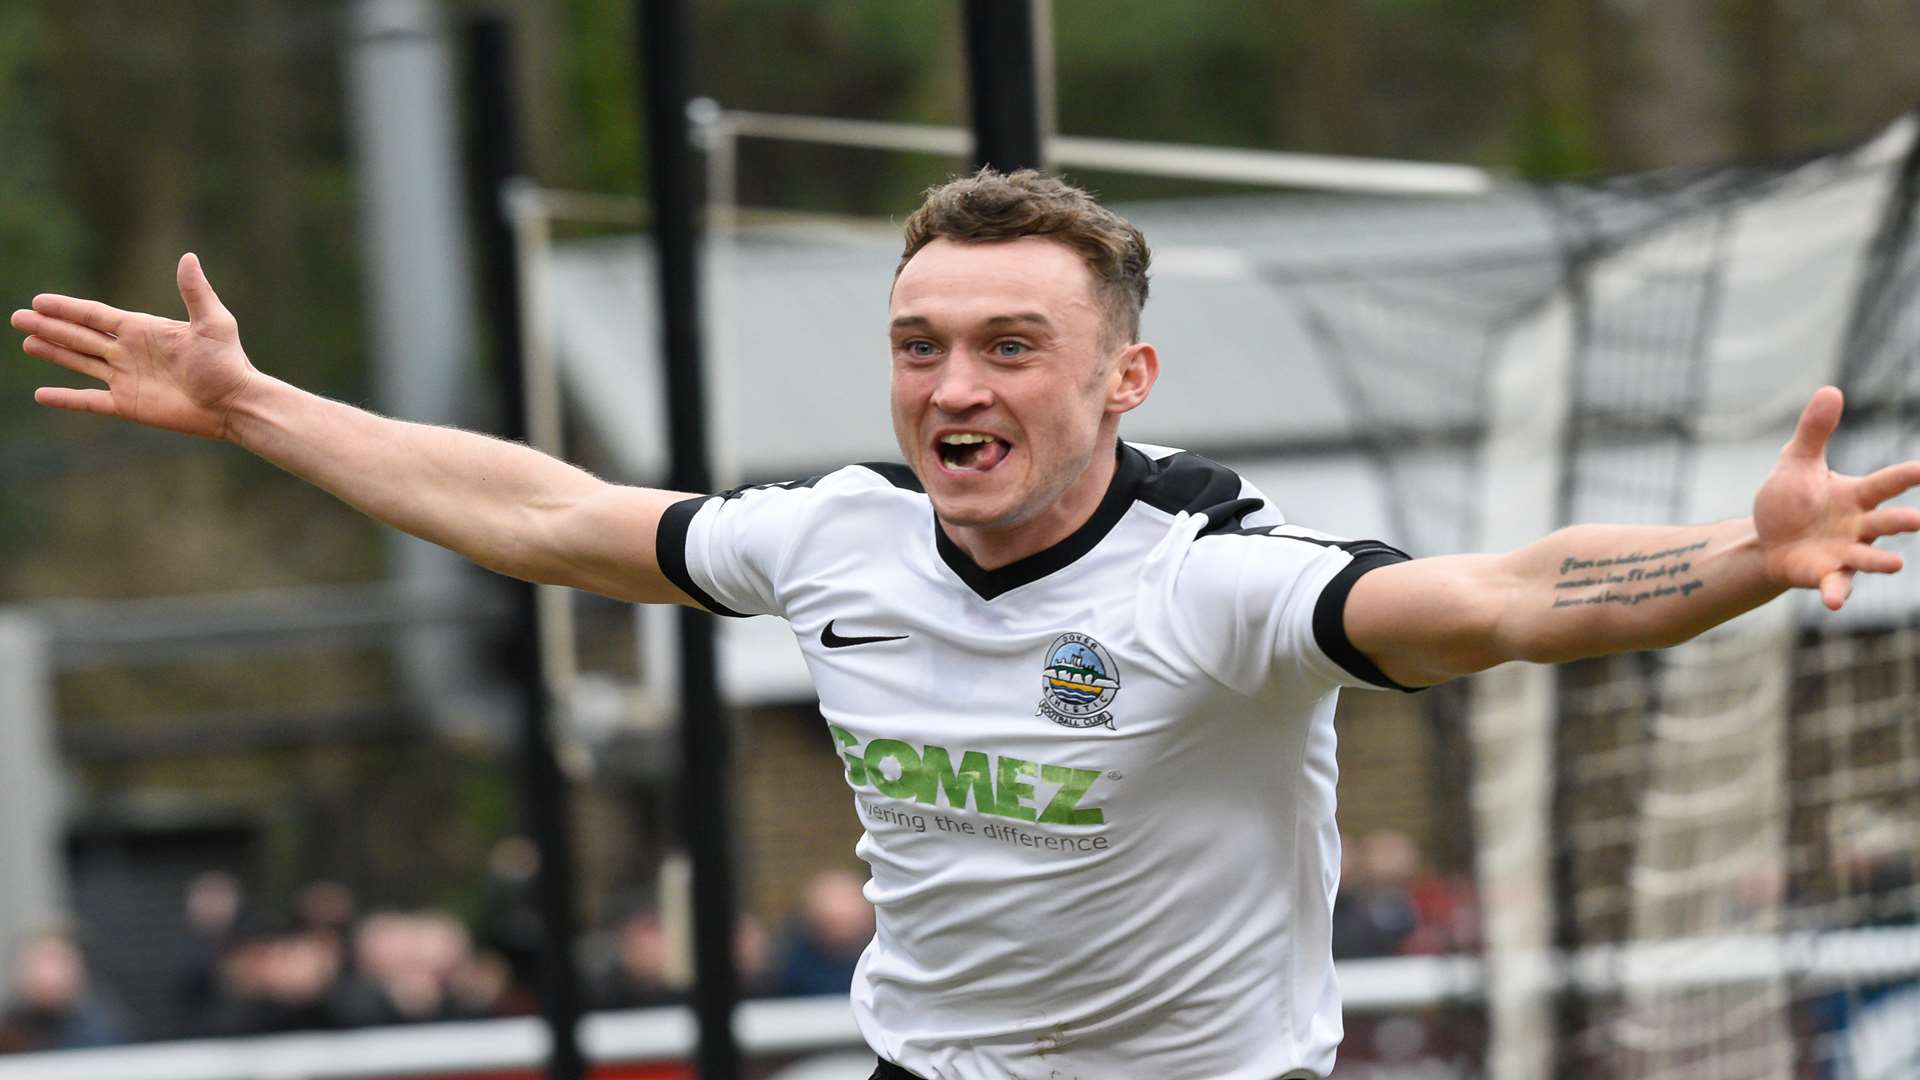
column 1330, row 614
column 1197, row 485
column 783, row 485
column 1226, row 517
column 670, row 551
column 898, row 475
column 1355, row 548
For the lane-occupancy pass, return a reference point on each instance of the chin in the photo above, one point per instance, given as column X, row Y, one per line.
column 969, row 513
column 975, row 512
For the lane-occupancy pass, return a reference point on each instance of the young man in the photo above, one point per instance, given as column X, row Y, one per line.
column 1084, row 689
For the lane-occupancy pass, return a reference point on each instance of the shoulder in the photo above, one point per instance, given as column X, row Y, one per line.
column 876, row 477
column 735, row 551
column 776, row 513
column 1179, row 482
column 846, row 489
column 887, row 479
column 1287, row 549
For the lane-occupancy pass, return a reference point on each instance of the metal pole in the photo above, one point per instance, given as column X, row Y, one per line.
column 1876, row 300
column 1003, row 85
column 403, row 122
column 494, row 161
column 32, row 823
column 662, row 48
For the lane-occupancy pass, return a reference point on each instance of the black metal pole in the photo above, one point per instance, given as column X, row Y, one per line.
column 493, row 160
column 1877, row 299
column 664, row 41
column 1003, row 85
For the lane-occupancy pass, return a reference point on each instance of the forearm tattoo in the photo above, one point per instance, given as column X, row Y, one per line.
column 1630, row 578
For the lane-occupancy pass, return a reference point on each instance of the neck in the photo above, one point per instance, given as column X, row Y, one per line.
column 992, row 547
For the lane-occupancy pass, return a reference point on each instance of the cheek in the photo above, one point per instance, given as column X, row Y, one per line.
column 906, row 405
column 902, row 393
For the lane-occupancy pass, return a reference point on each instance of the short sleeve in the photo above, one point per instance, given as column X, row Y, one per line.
column 725, row 551
column 1267, row 606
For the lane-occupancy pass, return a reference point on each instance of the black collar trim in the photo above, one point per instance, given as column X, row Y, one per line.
column 1130, row 471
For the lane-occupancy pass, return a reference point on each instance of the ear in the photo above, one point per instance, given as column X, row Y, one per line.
column 1137, row 368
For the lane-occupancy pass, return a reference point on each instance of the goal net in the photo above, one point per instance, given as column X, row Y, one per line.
column 1698, row 862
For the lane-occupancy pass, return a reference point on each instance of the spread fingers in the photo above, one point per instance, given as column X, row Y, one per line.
column 62, row 331
column 1873, row 560
column 1889, row 520
column 91, row 366
column 61, row 397
column 1878, row 487
column 1835, row 588
column 89, row 313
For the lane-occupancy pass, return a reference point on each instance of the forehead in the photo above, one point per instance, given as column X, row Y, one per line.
column 951, row 279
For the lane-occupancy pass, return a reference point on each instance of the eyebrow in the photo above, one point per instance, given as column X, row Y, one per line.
column 1022, row 318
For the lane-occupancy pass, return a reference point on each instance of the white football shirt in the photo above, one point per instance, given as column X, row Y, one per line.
column 1097, row 784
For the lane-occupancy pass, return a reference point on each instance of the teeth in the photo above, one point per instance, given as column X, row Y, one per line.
column 967, row 438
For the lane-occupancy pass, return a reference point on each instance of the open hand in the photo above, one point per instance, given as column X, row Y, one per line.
column 1816, row 526
column 164, row 373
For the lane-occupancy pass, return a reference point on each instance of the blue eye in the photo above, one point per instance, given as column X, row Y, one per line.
column 1009, row 349
column 918, row 349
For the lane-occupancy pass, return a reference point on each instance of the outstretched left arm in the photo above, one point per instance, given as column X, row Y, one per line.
column 1588, row 590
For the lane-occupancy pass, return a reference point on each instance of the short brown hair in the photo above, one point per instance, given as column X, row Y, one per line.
column 990, row 206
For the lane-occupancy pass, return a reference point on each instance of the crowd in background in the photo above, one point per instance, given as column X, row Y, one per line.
column 1391, row 903
column 326, row 964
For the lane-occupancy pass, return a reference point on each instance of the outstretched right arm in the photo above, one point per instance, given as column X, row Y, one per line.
column 505, row 506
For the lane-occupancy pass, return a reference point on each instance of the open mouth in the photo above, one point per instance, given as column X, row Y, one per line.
column 971, row 451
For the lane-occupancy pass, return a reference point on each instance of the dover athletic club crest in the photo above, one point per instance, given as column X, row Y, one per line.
column 1079, row 681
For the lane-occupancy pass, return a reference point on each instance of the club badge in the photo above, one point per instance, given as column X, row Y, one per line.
column 1080, row 679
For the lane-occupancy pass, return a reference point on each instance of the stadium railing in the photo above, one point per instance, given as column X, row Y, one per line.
column 787, row 1028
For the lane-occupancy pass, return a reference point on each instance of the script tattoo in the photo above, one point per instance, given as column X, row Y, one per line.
column 1633, row 577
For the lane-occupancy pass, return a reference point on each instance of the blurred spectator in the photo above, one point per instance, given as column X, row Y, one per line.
column 212, row 908
column 277, row 978
column 1873, row 865
column 510, row 919
column 834, row 925
column 1349, row 925
column 247, row 972
column 1872, row 870
column 1374, row 913
column 752, row 958
column 1447, row 916
column 1391, row 903
column 55, row 1005
column 638, row 977
column 303, row 968
column 483, row 986
column 326, row 907
column 404, row 970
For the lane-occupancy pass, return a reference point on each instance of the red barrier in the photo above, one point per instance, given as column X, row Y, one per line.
column 667, row 1071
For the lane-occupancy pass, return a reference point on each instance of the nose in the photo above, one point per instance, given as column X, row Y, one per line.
column 962, row 384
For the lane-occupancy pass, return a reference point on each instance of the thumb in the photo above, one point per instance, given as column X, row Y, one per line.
column 203, row 305
column 1817, row 423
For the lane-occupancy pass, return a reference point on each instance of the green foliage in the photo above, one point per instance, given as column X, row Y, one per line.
column 1141, row 69
column 40, row 236
column 600, row 77
column 1553, row 143
column 41, row 249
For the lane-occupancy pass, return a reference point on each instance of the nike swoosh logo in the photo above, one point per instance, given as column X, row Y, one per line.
column 834, row 641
